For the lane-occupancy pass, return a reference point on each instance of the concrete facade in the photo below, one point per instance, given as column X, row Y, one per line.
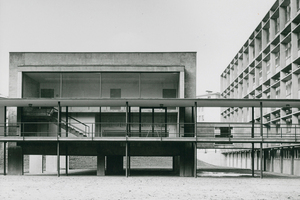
column 99, row 76
column 267, row 67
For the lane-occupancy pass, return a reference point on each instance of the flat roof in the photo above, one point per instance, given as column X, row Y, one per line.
column 147, row 102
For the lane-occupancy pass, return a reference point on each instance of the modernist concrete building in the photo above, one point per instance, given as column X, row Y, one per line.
column 268, row 67
column 86, row 102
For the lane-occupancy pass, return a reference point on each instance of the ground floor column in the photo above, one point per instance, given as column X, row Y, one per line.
column 15, row 160
column 114, row 165
column 176, row 164
column 187, row 160
column 100, row 165
column 4, row 158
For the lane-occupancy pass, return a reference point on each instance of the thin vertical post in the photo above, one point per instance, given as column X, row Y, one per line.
column 152, row 121
column 140, row 122
column 292, row 150
column 166, row 121
column 129, row 119
column 67, row 162
column 67, row 121
column 126, row 155
column 195, row 120
column 252, row 149
column 261, row 144
column 58, row 160
column 195, row 159
column 4, row 144
column 128, row 149
column 126, row 119
column 4, row 158
column 100, row 123
column 59, row 121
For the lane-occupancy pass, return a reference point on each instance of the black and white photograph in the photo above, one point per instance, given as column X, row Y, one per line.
column 149, row 99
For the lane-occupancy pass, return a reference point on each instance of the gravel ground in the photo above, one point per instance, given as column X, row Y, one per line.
column 212, row 183
column 146, row 187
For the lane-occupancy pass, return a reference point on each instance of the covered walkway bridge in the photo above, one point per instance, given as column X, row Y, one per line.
column 135, row 132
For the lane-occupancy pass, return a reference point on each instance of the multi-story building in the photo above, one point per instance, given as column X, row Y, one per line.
column 97, row 98
column 268, row 67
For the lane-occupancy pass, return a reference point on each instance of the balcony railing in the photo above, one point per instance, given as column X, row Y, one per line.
column 42, row 130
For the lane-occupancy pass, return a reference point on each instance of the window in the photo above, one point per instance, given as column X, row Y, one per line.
column 47, row 93
column 288, row 51
column 277, row 93
column 260, row 75
column 268, row 69
column 267, row 35
column 169, row 93
column 287, row 14
column 277, row 25
column 288, row 87
column 277, row 59
column 298, row 34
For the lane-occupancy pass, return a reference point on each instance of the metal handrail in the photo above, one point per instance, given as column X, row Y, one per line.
column 118, row 129
column 85, row 125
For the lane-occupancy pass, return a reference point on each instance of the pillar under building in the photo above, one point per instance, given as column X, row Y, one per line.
column 15, row 160
column 114, row 165
column 100, row 165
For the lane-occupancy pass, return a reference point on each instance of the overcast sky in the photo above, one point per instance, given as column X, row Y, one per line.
column 215, row 29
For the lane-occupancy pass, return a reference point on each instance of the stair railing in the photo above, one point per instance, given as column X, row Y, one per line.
column 86, row 127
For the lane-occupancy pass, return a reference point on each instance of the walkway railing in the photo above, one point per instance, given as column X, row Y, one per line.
column 150, row 130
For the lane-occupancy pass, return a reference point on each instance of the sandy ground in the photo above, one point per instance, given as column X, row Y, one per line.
column 212, row 183
column 147, row 187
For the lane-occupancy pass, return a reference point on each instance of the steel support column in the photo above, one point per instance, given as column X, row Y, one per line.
column 126, row 155
column 140, row 122
column 126, row 119
column 67, row 134
column 261, row 144
column 58, row 159
column 252, row 149
column 67, row 121
column 195, row 144
column 4, row 144
column 126, row 147
column 195, row 159
column 59, row 121
column 4, row 158
column 195, row 120
column 67, row 162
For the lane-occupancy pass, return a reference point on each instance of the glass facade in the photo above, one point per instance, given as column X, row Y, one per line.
column 99, row 85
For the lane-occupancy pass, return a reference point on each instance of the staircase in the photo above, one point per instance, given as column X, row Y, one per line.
column 49, row 114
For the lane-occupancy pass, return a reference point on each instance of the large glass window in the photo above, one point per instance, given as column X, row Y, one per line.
column 126, row 83
column 81, row 85
column 153, row 85
column 100, row 85
column 41, row 85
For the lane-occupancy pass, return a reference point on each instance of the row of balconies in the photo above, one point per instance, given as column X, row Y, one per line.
column 249, row 85
column 265, row 70
column 284, row 115
column 284, row 37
